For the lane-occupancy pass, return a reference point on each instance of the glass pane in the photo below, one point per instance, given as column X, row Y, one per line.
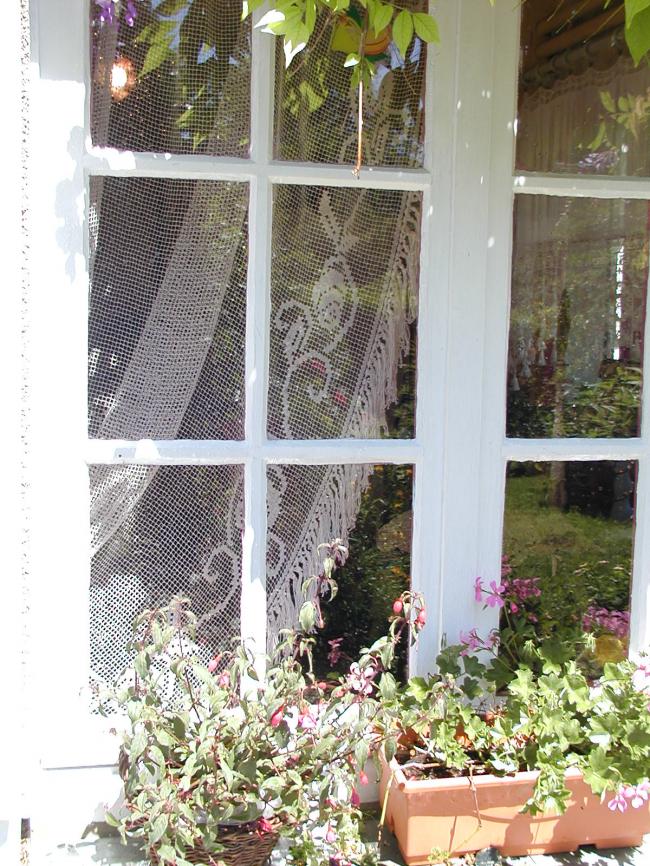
column 370, row 508
column 567, row 544
column 167, row 308
column 344, row 292
column 158, row 532
column 583, row 105
column 171, row 76
column 316, row 108
column 580, row 274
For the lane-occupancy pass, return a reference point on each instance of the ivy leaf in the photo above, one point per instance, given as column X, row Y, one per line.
column 403, row 31
column 426, row 27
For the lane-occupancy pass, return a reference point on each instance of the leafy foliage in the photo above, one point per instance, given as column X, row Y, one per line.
column 212, row 746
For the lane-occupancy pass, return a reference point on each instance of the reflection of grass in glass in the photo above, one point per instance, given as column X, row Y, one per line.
column 580, row 559
column 377, row 570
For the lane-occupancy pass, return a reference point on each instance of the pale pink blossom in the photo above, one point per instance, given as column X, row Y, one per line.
column 618, row 802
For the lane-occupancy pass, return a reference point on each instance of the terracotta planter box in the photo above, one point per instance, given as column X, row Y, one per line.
column 441, row 814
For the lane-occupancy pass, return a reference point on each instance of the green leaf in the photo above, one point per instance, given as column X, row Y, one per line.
column 138, row 744
column 250, row 6
column 141, row 664
column 111, row 820
column 156, row 56
column 403, row 31
column 608, row 101
column 390, row 747
column 637, row 31
column 167, row 852
column 361, row 754
column 158, row 829
column 307, row 617
column 426, row 27
column 352, row 59
column 419, row 688
column 382, row 18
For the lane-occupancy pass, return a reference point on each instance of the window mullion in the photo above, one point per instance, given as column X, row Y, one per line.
column 253, row 596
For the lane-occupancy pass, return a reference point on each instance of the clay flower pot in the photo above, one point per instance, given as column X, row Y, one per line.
column 441, row 815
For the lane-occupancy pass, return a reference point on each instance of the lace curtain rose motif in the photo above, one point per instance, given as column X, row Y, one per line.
column 167, row 332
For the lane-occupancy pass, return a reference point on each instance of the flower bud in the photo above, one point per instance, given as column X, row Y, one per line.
column 398, row 607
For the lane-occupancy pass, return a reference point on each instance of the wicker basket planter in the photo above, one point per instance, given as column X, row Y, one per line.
column 441, row 815
column 244, row 846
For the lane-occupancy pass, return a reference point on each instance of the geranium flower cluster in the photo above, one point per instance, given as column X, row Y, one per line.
column 616, row 622
column 472, row 642
column 509, row 594
column 632, row 795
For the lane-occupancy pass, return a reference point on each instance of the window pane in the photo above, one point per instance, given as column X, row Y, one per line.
column 173, row 79
column 167, row 308
column 158, row 532
column 370, row 508
column 583, row 105
column 577, row 317
column 568, row 535
column 316, row 108
column 344, row 291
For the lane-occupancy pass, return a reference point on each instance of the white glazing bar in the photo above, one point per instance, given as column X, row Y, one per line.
column 197, row 452
column 120, row 163
column 582, row 186
column 165, row 452
column 433, row 312
column 499, row 258
column 572, row 449
column 640, row 595
column 320, row 452
column 253, row 595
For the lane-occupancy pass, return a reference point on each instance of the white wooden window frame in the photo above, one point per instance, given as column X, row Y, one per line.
column 460, row 450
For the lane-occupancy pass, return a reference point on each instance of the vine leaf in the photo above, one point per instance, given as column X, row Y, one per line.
column 426, row 27
column 403, row 31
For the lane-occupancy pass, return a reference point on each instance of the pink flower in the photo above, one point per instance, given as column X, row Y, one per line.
column 637, row 794
column 335, row 652
column 514, row 607
column 361, row 681
column 306, row 721
column 363, row 778
column 470, row 641
column 478, row 589
column 494, row 596
column 277, row 716
column 317, row 365
column 340, row 398
column 355, row 799
column 264, row 826
column 421, row 618
column 214, row 664
column 641, row 678
column 330, row 835
column 398, row 607
column 618, row 801
column 224, row 680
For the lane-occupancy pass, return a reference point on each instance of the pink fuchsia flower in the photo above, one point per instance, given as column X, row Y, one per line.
column 478, row 589
column 361, row 681
column 421, row 619
column 330, row 835
column 618, row 802
column 398, row 607
column 306, row 720
column 264, row 826
column 277, row 716
column 224, row 680
column 637, row 794
column 335, row 652
column 213, row 664
column 363, row 778
column 355, row 799
column 641, row 678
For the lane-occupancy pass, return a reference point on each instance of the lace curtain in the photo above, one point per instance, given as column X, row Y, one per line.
column 168, row 308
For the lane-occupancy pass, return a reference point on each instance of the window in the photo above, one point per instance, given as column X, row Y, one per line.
column 578, row 322
column 268, row 340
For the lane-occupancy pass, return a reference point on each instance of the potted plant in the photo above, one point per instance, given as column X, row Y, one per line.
column 218, row 763
column 517, row 748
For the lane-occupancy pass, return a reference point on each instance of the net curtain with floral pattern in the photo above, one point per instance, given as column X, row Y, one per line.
column 168, row 308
